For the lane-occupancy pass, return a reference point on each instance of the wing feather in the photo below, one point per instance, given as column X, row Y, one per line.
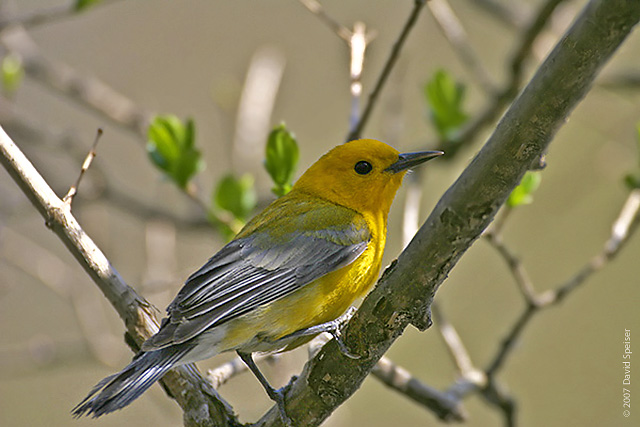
column 263, row 266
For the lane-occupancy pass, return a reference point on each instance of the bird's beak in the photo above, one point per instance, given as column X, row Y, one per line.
column 408, row 160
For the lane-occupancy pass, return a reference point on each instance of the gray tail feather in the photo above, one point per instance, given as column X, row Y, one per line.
column 118, row 390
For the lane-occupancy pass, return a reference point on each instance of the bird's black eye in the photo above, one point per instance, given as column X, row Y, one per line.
column 363, row 167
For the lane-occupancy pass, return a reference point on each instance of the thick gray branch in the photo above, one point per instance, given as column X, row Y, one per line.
column 404, row 294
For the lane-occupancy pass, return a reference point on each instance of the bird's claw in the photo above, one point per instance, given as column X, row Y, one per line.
column 337, row 335
column 278, row 397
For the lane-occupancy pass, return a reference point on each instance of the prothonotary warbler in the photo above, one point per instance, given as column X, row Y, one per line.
column 288, row 275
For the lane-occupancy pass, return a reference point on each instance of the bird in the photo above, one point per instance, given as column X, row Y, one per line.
column 291, row 273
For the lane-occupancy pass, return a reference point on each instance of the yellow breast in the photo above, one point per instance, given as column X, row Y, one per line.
column 318, row 302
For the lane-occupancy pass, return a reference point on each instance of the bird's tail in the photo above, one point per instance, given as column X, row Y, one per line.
column 118, row 390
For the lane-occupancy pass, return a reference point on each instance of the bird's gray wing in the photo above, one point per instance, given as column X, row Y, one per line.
column 258, row 269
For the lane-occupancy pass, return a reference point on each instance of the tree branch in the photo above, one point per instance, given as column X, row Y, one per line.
column 46, row 15
column 404, row 293
column 386, row 71
column 87, row 91
column 184, row 384
column 511, row 86
column 456, row 35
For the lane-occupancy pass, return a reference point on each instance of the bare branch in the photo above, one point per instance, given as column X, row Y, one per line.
column 223, row 373
column 456, row 35
column 497, row 396
column 62, row 281
column 513, row 14
column 46, row 15
column 515, row 265
column 456, row 348
column 623, row 80
column 184, row 384
column 357, row 40
column 399, row 379
column 317, row 9
column 358, row 45
column 87, row 91
column 391, row 61
column 510, row 89
column 73, row 190
column 623, row 228
column 257, row 100
column 528, row 38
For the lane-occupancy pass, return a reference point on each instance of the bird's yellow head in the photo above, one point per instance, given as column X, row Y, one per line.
column 362, row 175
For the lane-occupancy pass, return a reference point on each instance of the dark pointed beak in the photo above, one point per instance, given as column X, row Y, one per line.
column 409, row 160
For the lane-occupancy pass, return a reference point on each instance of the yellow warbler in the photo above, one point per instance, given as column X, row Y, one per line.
column 287, row 276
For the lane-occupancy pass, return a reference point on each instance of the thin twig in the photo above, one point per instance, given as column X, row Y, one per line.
column 317, row 9
column 87, row 91
column 513, row 14
column 43, row 16
column 61, row 279
column 189, row 389
column 528, row 38
column 510, row 89
column 411, row 211
column 220, row 375
column 97, row 95
column 497, row 396
column 357, row 40
column 515, row 265
column 624, row 80
column 18, row 123
column 253, row 115
column 37, row 17
column 73, row 190
column 623, row 228
column 456, row 348
column 501, row 219
column 358, row 45
column 456, row 35
column 446, row 407
column 391, row 61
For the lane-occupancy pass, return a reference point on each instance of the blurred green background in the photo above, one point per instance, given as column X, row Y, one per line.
column 190, row 58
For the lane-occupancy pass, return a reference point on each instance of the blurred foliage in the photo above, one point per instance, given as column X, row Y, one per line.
column 82, row 5
column 523, row 193
column 12, row 73
column 237, row 197
column 171, row 146
column 445, row 98
column 281, row 159
column 632, row 179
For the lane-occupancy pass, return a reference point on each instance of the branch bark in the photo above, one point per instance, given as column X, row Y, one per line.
column 403, row 295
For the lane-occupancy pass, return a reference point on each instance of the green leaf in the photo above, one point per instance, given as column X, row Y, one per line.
column 85, row 4
column 281, row 158
column 632, row 179
column 523, row 193
column 638, row 141
column 171, row 147
column 12, row 73
column 445, row 97
column 236, row 195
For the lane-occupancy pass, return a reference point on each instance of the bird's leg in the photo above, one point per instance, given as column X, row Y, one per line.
column 275, row 395
column 333, row 327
